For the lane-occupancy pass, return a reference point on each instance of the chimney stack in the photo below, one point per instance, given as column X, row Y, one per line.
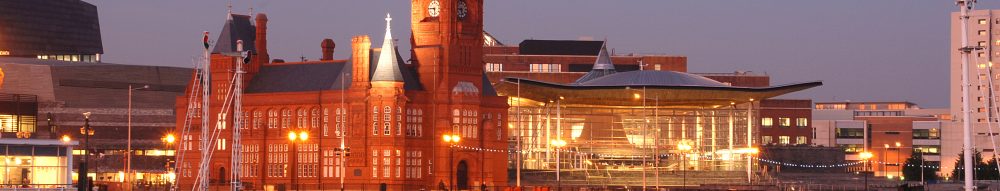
column 328, row 47
column 261, row 38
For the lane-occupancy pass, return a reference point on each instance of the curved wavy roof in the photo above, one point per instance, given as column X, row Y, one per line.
column 652, row 78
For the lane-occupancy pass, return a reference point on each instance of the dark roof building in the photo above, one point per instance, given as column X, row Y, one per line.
column 65, row 30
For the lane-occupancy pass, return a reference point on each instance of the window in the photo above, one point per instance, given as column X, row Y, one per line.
column 544, row 68
column 926, row 134
column 981, row 55
column 801, row 122
column 785, row 122
column 927, row 149
column 982, row 32
column 494, row 67
column 374, row 128
column 784, row 140
column 981, row 43
column 766, row 122
column 982, row 21
column 765, row 140
column 800, row 140
column 850, row 133
column 386, row 128
column 853, row 148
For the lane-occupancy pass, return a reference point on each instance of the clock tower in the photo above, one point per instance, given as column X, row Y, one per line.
column 447, row 42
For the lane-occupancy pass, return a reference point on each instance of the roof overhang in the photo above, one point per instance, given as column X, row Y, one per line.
column 633, row 95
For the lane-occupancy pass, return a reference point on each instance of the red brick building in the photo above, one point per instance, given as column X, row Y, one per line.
column 391, row 115
column 786, row 122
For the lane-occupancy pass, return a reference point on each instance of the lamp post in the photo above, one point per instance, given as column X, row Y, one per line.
column 169, row 139
column 885, row 152
column 558, row 143
column 452, row 140
column 865, row 156
column 899, row 167
column 293, row 139
column 128, row 153
column 684, row 147
column 81, row 177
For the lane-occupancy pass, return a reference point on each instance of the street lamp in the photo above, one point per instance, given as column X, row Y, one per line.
column 452, row 140
column 865, row 156
column 81, row 177
column 169, row 139
column 885, row 152
column 128, row 157
column 66, row 139
column 558, row 143
column 899, row 166
column 684, row 148
column 293, row 138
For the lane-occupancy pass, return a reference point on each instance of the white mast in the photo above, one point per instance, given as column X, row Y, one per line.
column 237, row 148
column 202, row 179
column 965, row 6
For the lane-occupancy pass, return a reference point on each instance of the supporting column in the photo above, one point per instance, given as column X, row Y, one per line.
column 750, row 122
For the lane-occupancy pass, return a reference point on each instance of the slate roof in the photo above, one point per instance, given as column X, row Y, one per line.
column 387, row 68
column 238, row 28
column 560, row 47
column 602, row 67
column 652, row 78
column 488, row 89
column 300, row 77
column 410, row 80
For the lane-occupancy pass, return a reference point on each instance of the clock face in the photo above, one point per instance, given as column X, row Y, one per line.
column 463, row 10
column 434, row 8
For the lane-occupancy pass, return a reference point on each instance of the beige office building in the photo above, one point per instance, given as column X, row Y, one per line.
column 983, row 32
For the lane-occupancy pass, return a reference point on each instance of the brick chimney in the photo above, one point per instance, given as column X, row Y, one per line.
column 360, row 54
column 328, row 47
column 261, row 41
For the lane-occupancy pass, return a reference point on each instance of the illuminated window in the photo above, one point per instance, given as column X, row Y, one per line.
column 784, row 140
column 981, row 55
column 766, row 122
column 801, row 122
column 982, row 43
column 801, row 140
column 982, row 21
column 982, row 32
column 765, row 139
column 785, row 122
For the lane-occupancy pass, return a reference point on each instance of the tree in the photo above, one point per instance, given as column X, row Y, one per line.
column 913, row 167
column 958, row 173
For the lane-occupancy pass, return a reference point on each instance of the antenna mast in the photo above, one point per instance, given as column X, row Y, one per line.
column 966, row 50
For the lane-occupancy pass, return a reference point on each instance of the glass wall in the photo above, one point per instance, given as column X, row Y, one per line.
column 630, row 138
column 26, row 166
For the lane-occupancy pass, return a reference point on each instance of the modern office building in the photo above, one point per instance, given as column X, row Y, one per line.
column 66, row 30
column 983, row 34
column 63, row 90
column 891, row 131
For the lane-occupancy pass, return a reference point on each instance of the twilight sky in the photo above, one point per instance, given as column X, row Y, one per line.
column 863, row 50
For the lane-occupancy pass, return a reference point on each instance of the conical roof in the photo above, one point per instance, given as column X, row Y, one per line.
column 237, row 27
column 602, row 67
column 387, row 68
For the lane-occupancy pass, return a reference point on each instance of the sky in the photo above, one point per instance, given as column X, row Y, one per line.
column 862, row 50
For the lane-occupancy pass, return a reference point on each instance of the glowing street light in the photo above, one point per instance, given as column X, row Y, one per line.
column 169, row 139
column 684, row 147
column 865, row 156
column 66, row 139
column 451, row 139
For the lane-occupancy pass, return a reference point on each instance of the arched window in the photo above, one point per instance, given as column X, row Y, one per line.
column 374, row 128
column 386, row 128
column 387, row 109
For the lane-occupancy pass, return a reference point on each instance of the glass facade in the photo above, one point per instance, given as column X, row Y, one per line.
column 34, row 166
column 629, row 138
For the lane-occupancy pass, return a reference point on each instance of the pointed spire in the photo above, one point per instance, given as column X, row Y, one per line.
column 229, row 10
column 602, row 67
column 387, row 68
column 604, row 59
